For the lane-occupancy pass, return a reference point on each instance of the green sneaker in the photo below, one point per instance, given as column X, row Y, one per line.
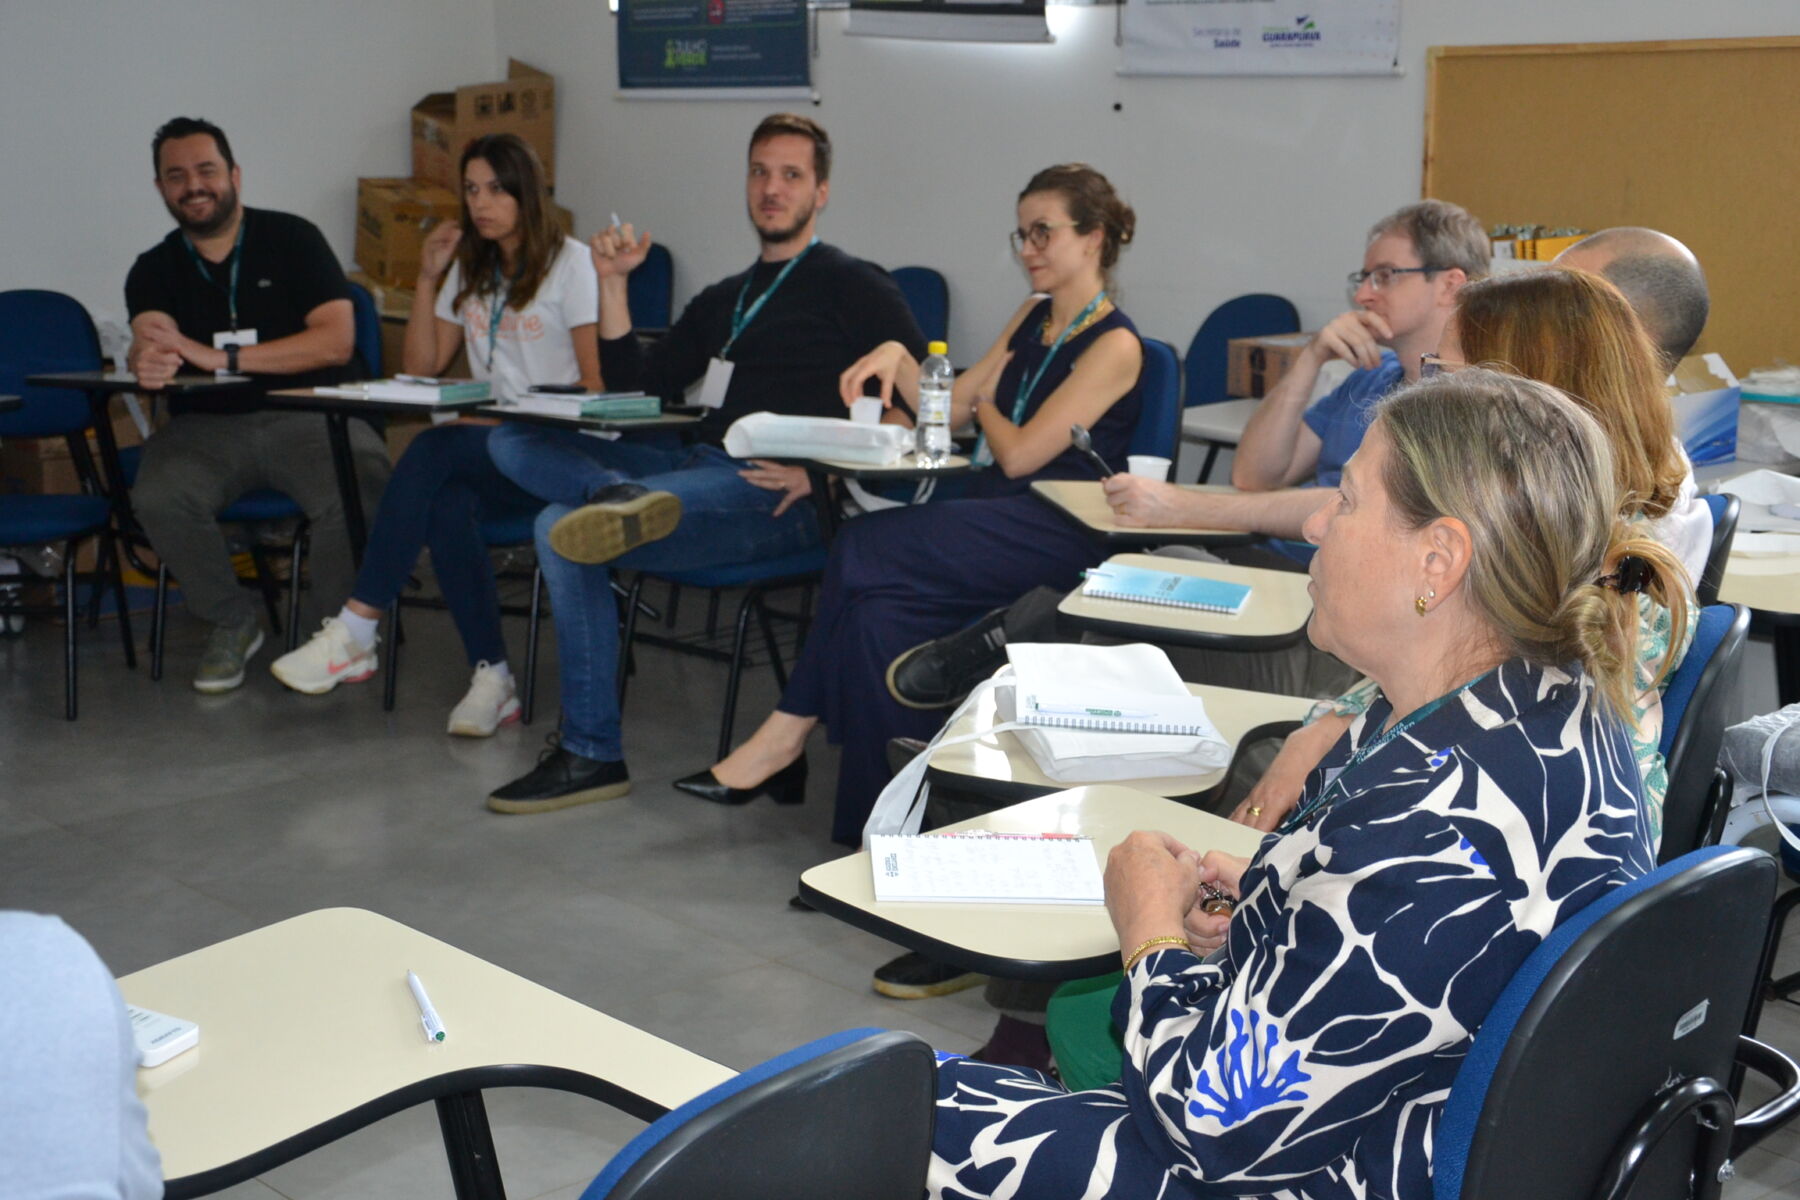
column 228, row 648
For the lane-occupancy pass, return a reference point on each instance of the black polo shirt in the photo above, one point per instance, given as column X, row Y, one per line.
column 288, row 270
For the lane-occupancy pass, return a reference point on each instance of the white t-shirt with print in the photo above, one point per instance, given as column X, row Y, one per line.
column 532, row 346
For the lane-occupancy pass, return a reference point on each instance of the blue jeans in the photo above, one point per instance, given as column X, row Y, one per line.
column 724, row 521
column 442, row 489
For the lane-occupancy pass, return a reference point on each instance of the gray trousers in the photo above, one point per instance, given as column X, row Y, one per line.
column 200, row 462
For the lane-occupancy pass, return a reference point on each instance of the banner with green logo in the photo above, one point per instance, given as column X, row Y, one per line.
column 734, row 44
column 1272, row 37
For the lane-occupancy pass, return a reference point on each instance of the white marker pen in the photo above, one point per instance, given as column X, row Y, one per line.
column 428, row 1018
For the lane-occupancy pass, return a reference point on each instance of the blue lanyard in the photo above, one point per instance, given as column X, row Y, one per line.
column 494, row 315
column 1026, row 386
column 741, row 319
column 237, row 260
column 1336, row 790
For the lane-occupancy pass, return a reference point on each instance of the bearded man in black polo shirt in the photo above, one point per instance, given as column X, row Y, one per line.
column 242, row 291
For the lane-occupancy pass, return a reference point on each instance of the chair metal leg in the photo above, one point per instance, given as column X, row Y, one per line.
column 768, row 631
column 265, row 584
column 1779, row 988
column 158, row 621
column 69, row 617
column 1212, row 456
column 469, row 1145
column 674, row 605
column 628, row 634
column 742, row 635
column 109, row 546
column 296, row 562
column 390, row 676
column 712, row 612
column 531, row 645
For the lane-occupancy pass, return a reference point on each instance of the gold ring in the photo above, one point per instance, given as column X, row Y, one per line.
column 1256, row 810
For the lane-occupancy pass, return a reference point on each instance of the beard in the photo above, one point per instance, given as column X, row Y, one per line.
column 225, row 206
column 787, row 233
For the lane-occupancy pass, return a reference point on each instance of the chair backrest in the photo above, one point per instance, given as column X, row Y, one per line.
column 650, row 290
column 1646, row 987
column 1256, row 315
column 43, row 332
column 368, row 333
column 1724, row 508
column 847, row 1115
column 929, row 298
column 1693, row 711
column 1159, row 413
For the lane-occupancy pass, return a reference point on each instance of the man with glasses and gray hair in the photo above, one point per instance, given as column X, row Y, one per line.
column 1415, row 262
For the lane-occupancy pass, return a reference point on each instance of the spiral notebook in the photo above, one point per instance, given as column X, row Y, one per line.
column 993, row 868
column 1141, row 585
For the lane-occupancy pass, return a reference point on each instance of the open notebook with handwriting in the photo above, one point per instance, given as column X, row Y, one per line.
column 987, row 867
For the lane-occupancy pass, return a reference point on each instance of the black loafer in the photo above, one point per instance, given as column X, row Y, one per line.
column 616, row 519
column 786, row 786
column 562, row 779
column 915, row 977
column 939, row 673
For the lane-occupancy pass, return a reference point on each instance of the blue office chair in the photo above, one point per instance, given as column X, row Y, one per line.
column 929, row 298
column 1724, row 508
column 759, row 580
column 43, row 332
column 1693, row 709
column 1158, row 429
column 650, row 291
column 1606, row 1061
column 847, row 1115
column 270, row 506
column 1256, row 315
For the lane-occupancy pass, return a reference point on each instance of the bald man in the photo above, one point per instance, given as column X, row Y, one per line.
column 1659, row 276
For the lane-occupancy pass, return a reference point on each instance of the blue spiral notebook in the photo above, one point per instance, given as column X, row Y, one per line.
column 1142, row 585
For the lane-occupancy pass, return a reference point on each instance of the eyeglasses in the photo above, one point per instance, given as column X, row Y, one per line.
column 1382, row 278
column 1038, row 235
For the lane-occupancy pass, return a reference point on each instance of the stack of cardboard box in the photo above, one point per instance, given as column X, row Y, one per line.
column 393, row 215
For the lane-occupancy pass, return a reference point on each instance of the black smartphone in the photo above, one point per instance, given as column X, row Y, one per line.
column 559, row 389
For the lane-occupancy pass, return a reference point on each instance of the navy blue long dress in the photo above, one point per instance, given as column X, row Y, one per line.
column 903, row 576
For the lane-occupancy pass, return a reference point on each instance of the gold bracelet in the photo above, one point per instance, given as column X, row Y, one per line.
column 1131, row 960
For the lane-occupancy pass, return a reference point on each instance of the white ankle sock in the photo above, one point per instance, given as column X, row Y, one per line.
column 362, row 629
column 501, row 670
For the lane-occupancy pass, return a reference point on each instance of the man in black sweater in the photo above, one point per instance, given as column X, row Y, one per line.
column 772, row 339
column 250, row 291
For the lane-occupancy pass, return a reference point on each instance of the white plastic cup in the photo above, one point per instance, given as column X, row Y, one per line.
column 1150, row 466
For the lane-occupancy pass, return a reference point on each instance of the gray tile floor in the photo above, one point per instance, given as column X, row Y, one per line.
column 165, row 820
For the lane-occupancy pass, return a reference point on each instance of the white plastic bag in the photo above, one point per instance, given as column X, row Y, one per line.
column 771, row 435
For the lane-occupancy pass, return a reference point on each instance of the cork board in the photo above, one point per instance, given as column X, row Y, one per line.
column 1695, row 138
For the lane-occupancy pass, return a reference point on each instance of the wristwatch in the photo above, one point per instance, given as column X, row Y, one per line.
column 231, row 353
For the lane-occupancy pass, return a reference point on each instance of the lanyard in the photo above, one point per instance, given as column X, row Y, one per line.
column 237, row 260
column 739, row 318
column 1336, row 790
column 983, row 455
column 494, row 314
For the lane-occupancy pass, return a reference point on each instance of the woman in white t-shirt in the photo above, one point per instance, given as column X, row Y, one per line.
column 522, row 298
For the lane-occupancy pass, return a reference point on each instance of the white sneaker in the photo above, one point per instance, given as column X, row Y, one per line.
column 492, row 701
column 329, row 658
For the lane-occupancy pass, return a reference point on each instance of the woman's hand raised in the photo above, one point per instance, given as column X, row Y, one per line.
column 437, row 252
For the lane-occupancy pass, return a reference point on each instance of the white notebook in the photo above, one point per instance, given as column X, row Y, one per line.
column 990, row 868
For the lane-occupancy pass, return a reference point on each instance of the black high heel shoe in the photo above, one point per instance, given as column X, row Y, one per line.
column 786, row 786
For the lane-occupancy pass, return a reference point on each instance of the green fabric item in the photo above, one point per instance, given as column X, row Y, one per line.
column 1089, row 1050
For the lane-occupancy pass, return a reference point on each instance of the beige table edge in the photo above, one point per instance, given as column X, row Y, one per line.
column 1002, row 757
column 1039, row 932
column 1279, row 602
column 1084, row 500
column 1767, row 584
column 309, row 1018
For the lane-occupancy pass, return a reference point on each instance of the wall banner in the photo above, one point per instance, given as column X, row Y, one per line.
column 1261, row 37
column 727, row 45
column 951, row 20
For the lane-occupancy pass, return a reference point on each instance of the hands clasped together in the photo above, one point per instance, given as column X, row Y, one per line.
column 1154, row 888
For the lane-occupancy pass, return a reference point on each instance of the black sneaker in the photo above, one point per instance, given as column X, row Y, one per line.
column 915, row 977
column 938, row 674
column 615, row 520
column 562, row 779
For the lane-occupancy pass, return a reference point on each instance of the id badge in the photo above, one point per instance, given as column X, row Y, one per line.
column 718, row 379
column 234, row 337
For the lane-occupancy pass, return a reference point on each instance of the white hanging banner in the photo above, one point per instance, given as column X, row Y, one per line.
column 951, row 20
column 1261, row 37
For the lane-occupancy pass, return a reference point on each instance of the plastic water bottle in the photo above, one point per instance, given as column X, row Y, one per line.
column 935, row 377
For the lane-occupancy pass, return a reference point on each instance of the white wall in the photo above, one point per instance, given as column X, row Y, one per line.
column 1239, row 184
column 312, row 94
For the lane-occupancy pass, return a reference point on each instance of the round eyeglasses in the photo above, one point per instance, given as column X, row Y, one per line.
column 1038, row 235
